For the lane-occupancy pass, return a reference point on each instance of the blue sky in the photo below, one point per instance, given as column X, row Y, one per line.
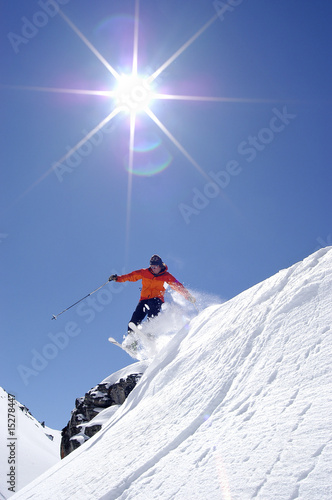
column 237, row 188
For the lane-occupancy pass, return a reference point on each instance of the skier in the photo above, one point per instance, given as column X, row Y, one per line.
column 153, row 290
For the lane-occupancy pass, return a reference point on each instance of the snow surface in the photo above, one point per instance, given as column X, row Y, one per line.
column 34, row 451
column 236, row 406
column 134, row 368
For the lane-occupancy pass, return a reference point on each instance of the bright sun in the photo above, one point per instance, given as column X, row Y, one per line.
column 133, row 93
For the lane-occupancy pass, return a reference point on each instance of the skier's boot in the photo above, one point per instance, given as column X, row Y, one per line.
column 130, row 342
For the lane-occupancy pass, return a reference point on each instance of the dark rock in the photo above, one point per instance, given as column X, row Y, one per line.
column 91, row 430
column 87, row 407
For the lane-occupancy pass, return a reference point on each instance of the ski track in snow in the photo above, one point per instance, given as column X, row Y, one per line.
column 236, row 406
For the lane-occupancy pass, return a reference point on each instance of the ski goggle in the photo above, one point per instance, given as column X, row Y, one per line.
column 156, row 262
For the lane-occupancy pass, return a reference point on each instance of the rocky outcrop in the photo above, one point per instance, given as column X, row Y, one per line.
column 88, row 407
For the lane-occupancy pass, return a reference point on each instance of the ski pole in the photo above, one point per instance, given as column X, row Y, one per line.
column 55, row 317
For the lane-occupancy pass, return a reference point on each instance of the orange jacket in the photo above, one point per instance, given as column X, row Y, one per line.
column 153, row 284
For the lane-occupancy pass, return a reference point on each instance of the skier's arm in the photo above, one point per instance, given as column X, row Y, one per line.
column 178, row 287
column 133, row 276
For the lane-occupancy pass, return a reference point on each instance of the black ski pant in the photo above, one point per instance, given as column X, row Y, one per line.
column 148, row 307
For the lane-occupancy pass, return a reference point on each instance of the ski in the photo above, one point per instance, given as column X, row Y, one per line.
column 145, row 339
column 141, row 334
column 128, row 351
column 139, row 345
column 113, row 341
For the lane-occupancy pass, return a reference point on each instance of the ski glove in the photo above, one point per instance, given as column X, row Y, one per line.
column 192, row 299
column 113, row 277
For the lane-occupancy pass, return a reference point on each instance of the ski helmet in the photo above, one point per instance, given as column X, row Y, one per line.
column 156, row 261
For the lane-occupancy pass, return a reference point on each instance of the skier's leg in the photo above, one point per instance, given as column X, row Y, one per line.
column 154, row 307
column 139, row 314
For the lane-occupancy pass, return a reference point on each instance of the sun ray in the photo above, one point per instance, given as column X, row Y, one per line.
column 135, row 51
column 90, row 134
column 89, row 45
column 78, row 145
column 181, row 49
column 130, row 177
column 132, row 132
column 210, row 98
column 107, row 93
column 176, row 142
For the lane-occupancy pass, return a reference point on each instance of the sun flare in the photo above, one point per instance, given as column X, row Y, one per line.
column 133, row 93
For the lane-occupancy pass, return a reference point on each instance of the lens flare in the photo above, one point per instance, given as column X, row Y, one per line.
column 149, row 162
column 146, row 141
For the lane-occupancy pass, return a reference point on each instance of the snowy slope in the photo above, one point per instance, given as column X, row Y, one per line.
column 237, row 406
column 35, row 449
